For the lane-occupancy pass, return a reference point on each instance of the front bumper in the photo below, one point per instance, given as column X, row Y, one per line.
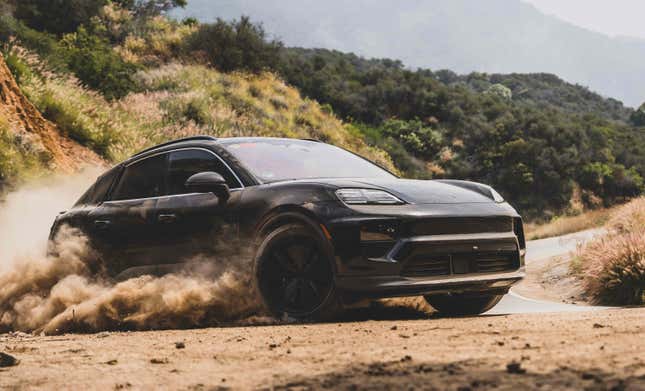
column 393, row 286
column 410, row 265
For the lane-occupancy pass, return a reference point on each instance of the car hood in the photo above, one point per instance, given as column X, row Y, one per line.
column 418, row 191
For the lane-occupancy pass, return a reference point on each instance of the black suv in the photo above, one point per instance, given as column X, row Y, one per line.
column 325, row 226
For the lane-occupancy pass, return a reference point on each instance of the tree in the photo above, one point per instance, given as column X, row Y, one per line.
column 65, row 16
column 147, row 8
column 94, row 62
column 57, row 16
column 500, row 90
column 230, row 46
column 638, row 117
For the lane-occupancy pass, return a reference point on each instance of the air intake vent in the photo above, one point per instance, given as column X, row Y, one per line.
column 464, row 225
column 436, row 266
column 459, row 264
column 495, row 264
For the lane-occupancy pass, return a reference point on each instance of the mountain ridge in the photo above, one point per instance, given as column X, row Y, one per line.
column 499, row 36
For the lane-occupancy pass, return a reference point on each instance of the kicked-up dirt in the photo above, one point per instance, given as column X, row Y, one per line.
column 376, row 349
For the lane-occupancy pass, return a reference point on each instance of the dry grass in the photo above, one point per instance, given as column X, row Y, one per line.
column 178, row 100
column 563, row 225
column 613, row 267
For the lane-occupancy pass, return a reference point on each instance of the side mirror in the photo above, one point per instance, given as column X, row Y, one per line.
column 208, row 182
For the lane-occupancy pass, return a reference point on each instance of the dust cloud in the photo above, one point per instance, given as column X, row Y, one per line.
column 69, row 292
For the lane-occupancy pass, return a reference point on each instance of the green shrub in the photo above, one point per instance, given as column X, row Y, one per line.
column 94, row 62
column 46, row 45
column 236, row 45
column 17, row 66
column 638, row 117
column 57, row 16
column 19, row 159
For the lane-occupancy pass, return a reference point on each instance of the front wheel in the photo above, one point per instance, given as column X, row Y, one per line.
column 454, row 304
column 294, row 273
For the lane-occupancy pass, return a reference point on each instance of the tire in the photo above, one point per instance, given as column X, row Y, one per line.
column 294, row 272
column 462, row 305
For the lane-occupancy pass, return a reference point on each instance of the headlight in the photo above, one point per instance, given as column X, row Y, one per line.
column 367, row 197
column 496, row 196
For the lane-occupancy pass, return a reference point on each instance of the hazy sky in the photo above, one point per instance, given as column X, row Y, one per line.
column 613, row 17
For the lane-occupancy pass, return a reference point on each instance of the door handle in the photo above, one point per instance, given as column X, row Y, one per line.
column 167, row 218
column 102, row 224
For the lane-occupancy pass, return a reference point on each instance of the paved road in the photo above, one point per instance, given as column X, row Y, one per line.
column 514, row 303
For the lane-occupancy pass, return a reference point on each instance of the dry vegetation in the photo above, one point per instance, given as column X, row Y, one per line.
column 563, row 225
column 613, row 266
column 177, row 100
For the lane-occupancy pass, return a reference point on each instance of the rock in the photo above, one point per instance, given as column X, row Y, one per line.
column 112, row 362
column 8, row 360
column 393, row 328
column 515, row 367
column 159, row 361
column 180, row 345
column 598, row 326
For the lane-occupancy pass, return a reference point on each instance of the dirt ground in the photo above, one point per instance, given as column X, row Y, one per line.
column 388, row 348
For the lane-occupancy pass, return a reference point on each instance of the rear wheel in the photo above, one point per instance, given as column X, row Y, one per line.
column 454, row 304
column 294, row 273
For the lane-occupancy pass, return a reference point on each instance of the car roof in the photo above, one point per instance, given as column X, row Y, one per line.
column 234, row 140
column 196, row 141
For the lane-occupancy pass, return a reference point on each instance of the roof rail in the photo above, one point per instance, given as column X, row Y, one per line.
column 192, row 138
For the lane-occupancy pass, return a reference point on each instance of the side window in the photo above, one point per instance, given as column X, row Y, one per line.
column 143, row 179
column 184, row 164
column 96, row 194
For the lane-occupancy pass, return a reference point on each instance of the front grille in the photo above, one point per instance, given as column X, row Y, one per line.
column 496, row 263
column 461, row 225
column 436, row 266
column 431, row 265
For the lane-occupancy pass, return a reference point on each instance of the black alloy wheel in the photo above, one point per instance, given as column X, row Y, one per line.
column 294, row 273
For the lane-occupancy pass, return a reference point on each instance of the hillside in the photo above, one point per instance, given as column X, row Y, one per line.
column 541, row 90
column 547, row 145
column 494, row 36
column 28, row 142
column 124, row 79
column 545, row 90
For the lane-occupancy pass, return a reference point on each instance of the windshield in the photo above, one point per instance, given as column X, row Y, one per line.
column 274, row 160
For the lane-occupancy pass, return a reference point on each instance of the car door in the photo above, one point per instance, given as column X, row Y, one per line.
column 197, row 224
column 125, row 225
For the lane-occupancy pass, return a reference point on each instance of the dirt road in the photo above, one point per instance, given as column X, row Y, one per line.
column 378, row 348
column 600, row 350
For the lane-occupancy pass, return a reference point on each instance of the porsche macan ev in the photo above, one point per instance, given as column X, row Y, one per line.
column 325, row 226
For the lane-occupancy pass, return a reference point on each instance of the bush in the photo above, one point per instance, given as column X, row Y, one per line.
column 99, row 67
column 57, row 16
column 19, row 159
column 236, row 45
column 44, row 44
column 638, row 117
column 613, row 266
column 17, row 66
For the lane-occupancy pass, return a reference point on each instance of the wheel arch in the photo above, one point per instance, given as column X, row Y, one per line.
column 289, row 214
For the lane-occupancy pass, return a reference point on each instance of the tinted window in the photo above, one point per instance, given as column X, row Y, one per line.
column 143, row 179
column 186, row 163
column 97, row 193
column 281, row 159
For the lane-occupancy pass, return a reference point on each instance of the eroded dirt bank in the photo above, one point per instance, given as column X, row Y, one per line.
column 596, row 350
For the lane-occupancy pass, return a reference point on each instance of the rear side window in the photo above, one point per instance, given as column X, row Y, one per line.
column 186, row 163
column 143, row 179
column 98, row 192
